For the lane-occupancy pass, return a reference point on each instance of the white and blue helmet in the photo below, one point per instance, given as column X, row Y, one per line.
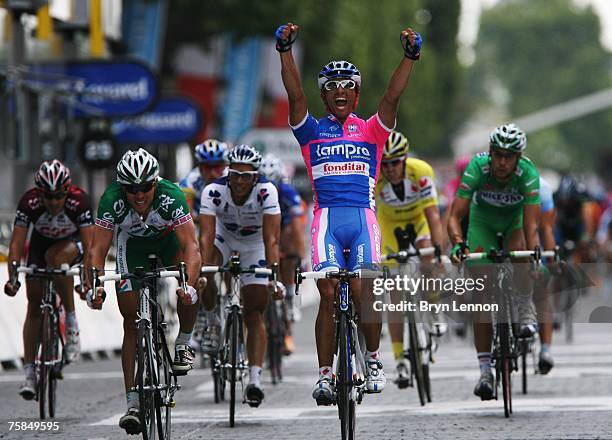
column 338, row 70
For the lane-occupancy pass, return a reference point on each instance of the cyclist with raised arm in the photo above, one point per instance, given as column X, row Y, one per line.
column 406, row 194
column 61, row 219
column 240, row 212
column 291, row 238
column 342, row 153
column 150, row 216
column 500, row 189
column 211, row 163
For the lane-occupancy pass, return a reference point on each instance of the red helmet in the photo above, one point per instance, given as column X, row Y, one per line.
column 52, row 176
column 461, row 164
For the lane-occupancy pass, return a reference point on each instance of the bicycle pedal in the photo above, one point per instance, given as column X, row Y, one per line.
column 172, row 403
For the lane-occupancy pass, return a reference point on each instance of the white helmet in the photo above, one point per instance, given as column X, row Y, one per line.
column 52, row 176
column 508, row 137
column 136, row 167
column 245, row 154
column 272, row 168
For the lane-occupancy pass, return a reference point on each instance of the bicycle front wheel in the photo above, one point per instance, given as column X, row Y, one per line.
column 146, row 381
column 164, row 395
column 44, row 366
column 346, row 404
column 416, row 362
column 55, row 367
column 233, row 329
column 505, row 366
column 275, row 341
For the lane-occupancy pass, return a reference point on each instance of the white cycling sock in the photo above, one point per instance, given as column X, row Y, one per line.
column 254, row 374
column 325, row 372
column 182, row 338
column 372, row 355
column 484, row 360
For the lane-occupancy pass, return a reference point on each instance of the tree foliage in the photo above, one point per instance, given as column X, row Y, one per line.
column 362, row 31
column 531, row 55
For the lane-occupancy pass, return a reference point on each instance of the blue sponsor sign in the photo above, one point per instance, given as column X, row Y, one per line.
column 172, row 120
column 102, row 88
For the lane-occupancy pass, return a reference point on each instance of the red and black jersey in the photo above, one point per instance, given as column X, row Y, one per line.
column 75, row 215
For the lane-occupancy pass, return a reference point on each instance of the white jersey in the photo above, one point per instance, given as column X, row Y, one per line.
column 242, row 223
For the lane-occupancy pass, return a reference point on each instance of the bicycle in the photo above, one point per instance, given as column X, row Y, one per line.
column 50, row 361
column 349, row 363
column 506, row 341
column 156, row 382
column 231, row 365
column 420, row 347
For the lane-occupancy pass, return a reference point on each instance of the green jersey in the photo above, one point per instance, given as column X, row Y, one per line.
column 488, row 195
column 168, row 211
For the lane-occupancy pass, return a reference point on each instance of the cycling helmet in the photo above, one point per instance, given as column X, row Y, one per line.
column 461, row 164
column 339, row 69
column 272, row 168
column 52, row 176
column 211, row 150
column 396, row 146
column 508, row 137
column 245, row 154
column 136, row 167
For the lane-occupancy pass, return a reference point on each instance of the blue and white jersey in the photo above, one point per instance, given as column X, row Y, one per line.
column 342, row 160
column 290, row 203
column 239, row 222
column 546, row 196
column 192, row 185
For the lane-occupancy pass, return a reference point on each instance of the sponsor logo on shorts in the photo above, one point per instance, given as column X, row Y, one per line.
column 331, row 254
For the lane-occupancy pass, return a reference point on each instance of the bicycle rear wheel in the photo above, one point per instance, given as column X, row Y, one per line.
column 416, row 362
column 346, row 405
column 505, row 366
column 145, row 381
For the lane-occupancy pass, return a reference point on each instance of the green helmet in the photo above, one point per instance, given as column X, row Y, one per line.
column 508, row 137
column 136, row 167
column 396, row 146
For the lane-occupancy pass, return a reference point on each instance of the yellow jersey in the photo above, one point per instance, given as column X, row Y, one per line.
column 419, row 190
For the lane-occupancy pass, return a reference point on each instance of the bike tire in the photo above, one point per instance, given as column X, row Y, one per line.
column 163, row 412
column 416, row 362
column 427, row 382
column 524, row 373
column 346, row 405
column 506, row 366
column 43, row 366
column 233, row 325
column 274, row 343
column 55, row 354
column 144, row 379
column 217, row 377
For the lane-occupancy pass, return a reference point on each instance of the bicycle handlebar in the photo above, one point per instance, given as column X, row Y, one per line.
column 536, row 255
column 132, row 276
column 223, row 269
column 62, row 272
column 404, row 255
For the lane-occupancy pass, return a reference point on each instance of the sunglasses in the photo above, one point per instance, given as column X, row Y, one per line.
column 134, row 189
column 242, row 174
column 503, row 155
column 55, row 196
column 391, row 163
column 345, row 84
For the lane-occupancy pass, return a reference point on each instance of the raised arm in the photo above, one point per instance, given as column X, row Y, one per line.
column 387, row 108
column 298, row 106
